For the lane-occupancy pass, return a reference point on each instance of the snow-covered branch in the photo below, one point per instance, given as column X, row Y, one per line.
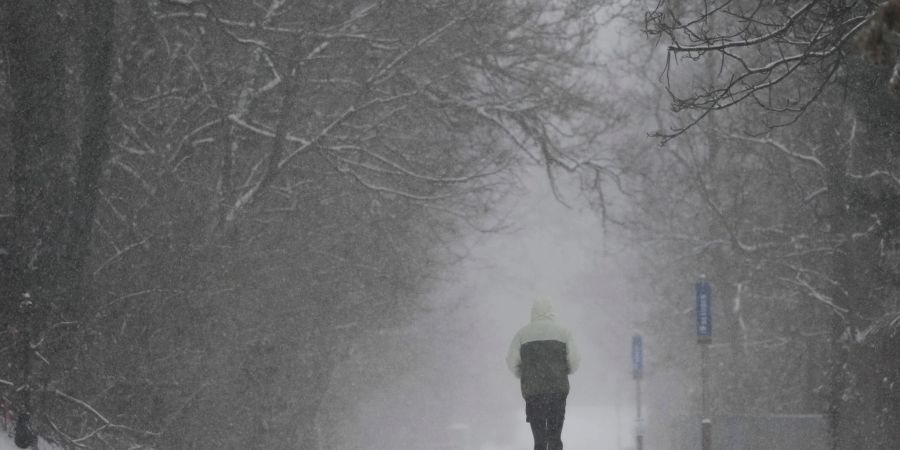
column 120, row 253
column 399, row 169
column 878, row 174
column 106, row 422
column 815, row 293
column 784, row 28
column 781, row 147
column 263, row 131
column 758, row 53
column 390, row 191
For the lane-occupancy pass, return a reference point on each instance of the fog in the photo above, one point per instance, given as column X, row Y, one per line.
column 460, row 392
column 318, row 224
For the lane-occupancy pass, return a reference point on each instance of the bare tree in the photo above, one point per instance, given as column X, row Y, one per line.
column 280, row 179
column 777, row 57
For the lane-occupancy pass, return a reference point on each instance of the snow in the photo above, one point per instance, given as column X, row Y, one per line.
column 7, row 443
column 585, row 428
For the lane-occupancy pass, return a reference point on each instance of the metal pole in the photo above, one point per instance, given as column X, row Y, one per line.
column 637, row 370
column 706, row 424
column 639, row 434
column 704, row 337
column 704, row 356
column 618, row 416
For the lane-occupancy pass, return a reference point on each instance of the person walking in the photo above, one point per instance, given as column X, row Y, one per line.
column 543, row 355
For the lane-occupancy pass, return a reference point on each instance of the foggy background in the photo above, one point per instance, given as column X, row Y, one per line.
column 459, row 388
column 317, row 224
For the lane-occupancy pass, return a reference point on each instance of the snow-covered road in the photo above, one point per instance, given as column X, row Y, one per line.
column 586, row 428
column 6, row 443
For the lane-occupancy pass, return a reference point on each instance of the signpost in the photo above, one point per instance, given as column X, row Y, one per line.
column 637, row 357
column 704, row 312
column 637, row 371
column 704, row 337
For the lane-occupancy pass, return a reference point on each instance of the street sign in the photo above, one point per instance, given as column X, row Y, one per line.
column 637, row 357
column 704, row 311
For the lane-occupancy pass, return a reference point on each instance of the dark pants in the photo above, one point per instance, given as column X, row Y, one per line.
column 546, row 414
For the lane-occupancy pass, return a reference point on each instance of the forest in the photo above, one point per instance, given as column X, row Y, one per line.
column 208, row 207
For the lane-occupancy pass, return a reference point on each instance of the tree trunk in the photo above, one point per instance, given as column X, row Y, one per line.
column 50, row 238
column 40, row 176
column 848, row 293
column 98, row 48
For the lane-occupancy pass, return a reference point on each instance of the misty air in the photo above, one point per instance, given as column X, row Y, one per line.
column 450, row 225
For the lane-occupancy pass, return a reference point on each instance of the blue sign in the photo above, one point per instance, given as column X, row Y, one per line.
column 704, row 311
column 637, row 357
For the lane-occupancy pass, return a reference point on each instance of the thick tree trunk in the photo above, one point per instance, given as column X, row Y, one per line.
column 856, row 307
column 98, row 48
column 39, row 174
column 38, row 139
column 841, row 326
column 50, row 238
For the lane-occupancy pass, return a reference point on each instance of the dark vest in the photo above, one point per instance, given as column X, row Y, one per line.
column 544, row 368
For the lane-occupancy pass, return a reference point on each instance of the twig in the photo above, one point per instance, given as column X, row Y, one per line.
column 120, row 253
column 66, row 436
column 102, row 418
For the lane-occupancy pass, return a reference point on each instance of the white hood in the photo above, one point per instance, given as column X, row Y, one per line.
column 542, row 309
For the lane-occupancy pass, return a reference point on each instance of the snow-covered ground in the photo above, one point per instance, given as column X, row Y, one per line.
column 6, row 443
column 6, row 440
column 585, row 428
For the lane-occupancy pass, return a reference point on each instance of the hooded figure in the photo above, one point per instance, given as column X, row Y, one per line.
column 542, row 355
